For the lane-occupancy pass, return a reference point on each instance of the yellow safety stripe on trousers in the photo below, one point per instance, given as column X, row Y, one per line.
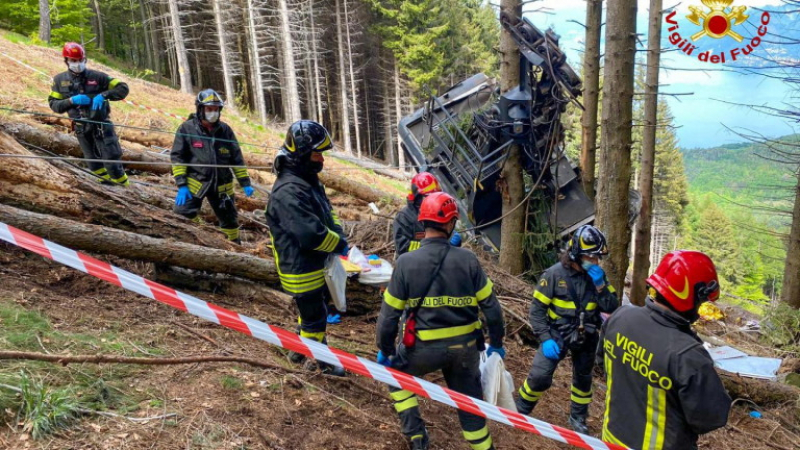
column 300, row 283
column 231, row 233
column 409, row 403
column 197, row 219
column 319, row 337
column 123, row 180
column 485, row 445
column 240, row 172
column 610, row 377
column 393, row 301
column 485, row 291
column 608, row 437
column 580, row 400
column 656, row 418
column 225, row 188
column 449, row 332
column 529, row 394
column 336, row 218
column 56, row 95
column 413, row 245
column 564, row 304
column 194, row 185
column 580, row 392
column 476, row 435
column 329, row 243
column 553, row 315
column 179, row 170
column 542, row 298
column 101, row 171
column 113, row 83
column 401, row 395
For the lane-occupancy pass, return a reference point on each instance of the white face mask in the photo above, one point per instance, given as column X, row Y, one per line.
column 77, row 67
column 212, row 116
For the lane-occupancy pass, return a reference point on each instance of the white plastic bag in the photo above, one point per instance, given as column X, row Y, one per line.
column 336, row 279
column 497, row 382
column 377, row 275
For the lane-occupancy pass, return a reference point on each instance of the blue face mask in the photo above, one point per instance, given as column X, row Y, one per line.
column 586, row 265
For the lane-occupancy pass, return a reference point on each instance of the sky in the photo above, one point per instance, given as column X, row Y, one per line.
column 703, row 118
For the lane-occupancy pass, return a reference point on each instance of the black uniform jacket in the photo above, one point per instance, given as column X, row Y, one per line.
column 408, row 231
column 88, row 82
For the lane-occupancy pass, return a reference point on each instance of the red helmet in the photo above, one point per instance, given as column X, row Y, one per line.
column 686, row 279
column 73, row 50
column 438, row 207
column 423, row 183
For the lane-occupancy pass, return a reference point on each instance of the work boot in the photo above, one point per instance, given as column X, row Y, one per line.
column 578, row 424
column 420, row 442
column 296, row 358
column 524, row 407
column 330, row 369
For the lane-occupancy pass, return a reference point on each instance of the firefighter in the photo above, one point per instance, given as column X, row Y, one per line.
column 663, row 390
column 408, row 231
column 205, row 140
column 442, row 331
column 304, row 228
column 565, row 316
column 84, row 94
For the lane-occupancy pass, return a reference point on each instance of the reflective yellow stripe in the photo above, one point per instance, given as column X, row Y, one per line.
column 591, row 306
column 476, row 435
column 414, row 245
column 113, row 83
column 527, row 397
column 179, row 170
column 231, row 233
column 336, row 218
column 123, row 180
column 580, row 392
column 529, row 394
column 553, row 315
column 485, row 291
column 564, row 304
column 485, row 445
column 611, row 289
column 292, row 278
column 542, row 298
column 56, row 95
column 401, row 395
column 225, row 188
column 197, row 219
column 194, row 185
column 240, row 172
column 444, row 333
column 393, row 301
column 580, row 400
column 319, row 337
column 610, row 379
column 406, row 404
column 610, row 438
column 299, row 288
column 100, row 171
column 329, row 243
column 656, row 418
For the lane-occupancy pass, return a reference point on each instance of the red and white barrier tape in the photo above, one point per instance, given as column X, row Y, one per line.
column 291, row 341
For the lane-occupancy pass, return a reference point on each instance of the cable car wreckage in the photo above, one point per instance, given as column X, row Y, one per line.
column 464, row 135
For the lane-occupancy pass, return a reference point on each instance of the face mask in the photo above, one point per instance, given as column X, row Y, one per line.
column 586, row 264
column 212, row 117
column 77, row 67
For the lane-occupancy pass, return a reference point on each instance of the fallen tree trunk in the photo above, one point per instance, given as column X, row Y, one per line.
column 762, row 392
column 100, row 239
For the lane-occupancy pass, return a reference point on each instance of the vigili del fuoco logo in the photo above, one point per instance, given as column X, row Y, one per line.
column 717, row 19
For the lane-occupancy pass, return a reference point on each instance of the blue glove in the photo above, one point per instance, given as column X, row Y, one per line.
column 345, row 250
column 97, row 102
column 455, row 239
column 248, row 191
column 500, row 351
column 80, row 100
column 384, row 360
column 184, row 195
column 334, row 319
column 597, row 274
column 551, row 349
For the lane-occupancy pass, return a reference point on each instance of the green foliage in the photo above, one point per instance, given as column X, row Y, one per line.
column 231, row 383
column 70, row 19
column 783, row 327
column 40, row 409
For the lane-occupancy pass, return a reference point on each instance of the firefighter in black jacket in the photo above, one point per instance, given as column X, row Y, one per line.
column 408, row 230
column 205, row 140
column 565, row 316
column 442, row 331
column 663, row 390
column 304, row 228
column 83, row 95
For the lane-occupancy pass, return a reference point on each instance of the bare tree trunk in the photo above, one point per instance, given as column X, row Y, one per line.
column 353, row 91
column 388, row 136
column 343, row 81
column 369, row 146
column 591, row 94
column 790, row 293
column 315, row 55
column 44, row 21
column 641, row 255
column 154, row 41
column 101, row 38
column 184, row 70
column 290, row 89
column 511, row 184
column 398, row 109
column 255, row 59
column 147, row 37
column 227, row 75
column 615, row 161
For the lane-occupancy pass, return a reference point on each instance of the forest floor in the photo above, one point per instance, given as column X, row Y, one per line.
column 48, row 308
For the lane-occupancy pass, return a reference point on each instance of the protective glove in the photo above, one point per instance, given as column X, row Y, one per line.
column 334, row 319
column 551, row 349
column 184, row 195
column 384, row 360
column 597, row 274
column 455, row 239
column 500, row 351
column 80, row 100
column 248, row 191
column 346, row 250
column 97, row 102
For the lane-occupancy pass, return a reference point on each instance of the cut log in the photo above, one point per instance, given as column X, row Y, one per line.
column 106, row 240
column 762, row 392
